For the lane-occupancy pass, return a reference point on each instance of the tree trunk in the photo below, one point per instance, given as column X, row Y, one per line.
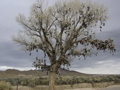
column 17, row 87
column 52, row 81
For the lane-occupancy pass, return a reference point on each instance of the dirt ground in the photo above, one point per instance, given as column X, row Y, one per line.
column 83, row 89
column 114, row 87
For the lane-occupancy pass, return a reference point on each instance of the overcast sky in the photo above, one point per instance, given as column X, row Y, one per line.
column 12, row 57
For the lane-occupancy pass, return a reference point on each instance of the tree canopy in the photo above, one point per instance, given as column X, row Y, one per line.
column 62, row 31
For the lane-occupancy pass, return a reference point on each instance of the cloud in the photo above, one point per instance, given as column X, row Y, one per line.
column 11, row 55
column 2, row 68
column 102, row 67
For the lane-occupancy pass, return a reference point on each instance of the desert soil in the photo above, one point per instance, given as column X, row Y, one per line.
column 114, row 87
column 82, row 89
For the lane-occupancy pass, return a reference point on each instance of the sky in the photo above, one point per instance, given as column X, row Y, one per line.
column 12, row 57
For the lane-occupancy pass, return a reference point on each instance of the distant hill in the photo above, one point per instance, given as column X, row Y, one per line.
column 13, row 73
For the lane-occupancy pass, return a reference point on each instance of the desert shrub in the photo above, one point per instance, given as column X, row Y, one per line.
column 90, row 80
column 37, row 81
column 31, row 83
column 68, row 80
column 44, row 82
column 41, row 81
column 62, row 80
column 80, row 80
column 24, row 82
column 58, row 81
column 5, row 85
column 11, row 81
column 74, row 80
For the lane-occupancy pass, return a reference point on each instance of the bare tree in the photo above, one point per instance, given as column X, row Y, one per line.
column 62, row 31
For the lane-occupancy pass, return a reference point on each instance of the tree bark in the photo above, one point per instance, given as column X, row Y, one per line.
column 52, row 81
